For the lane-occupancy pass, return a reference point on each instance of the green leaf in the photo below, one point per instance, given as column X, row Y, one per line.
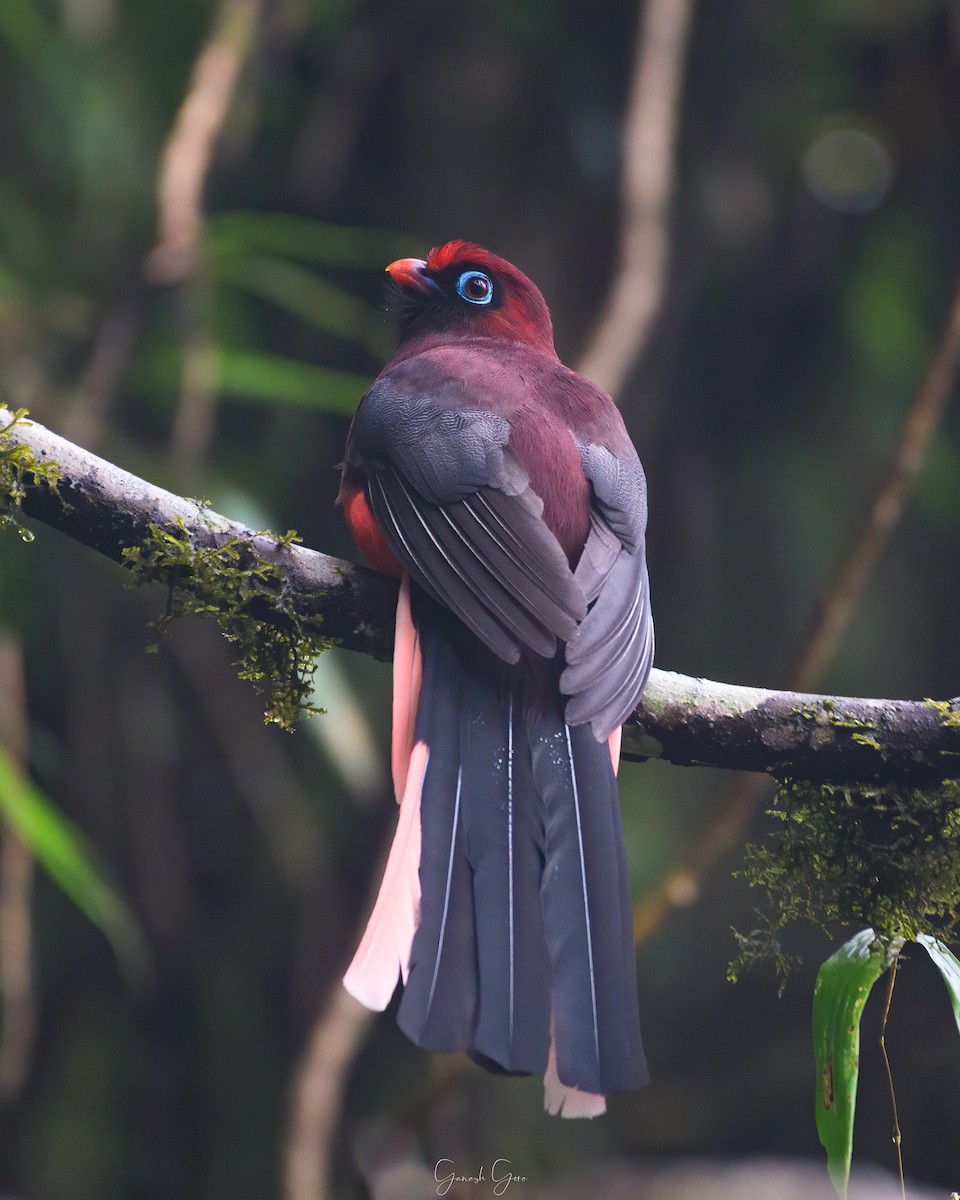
column 303, row 239
column 253, row 376
column 843, row 985
column 62, row 850
column 949, row 967
column 309, row 297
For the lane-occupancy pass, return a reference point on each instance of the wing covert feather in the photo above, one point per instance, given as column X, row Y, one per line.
column 609, row 657
column 466, row 555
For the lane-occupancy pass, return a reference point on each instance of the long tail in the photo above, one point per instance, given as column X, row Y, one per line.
column 522, row 953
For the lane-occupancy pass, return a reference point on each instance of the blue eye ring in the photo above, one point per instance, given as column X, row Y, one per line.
column 475, row 287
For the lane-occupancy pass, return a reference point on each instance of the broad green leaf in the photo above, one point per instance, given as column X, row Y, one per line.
column 62, row 850
column 949, row 967
column 843, row 985
column 255, row 376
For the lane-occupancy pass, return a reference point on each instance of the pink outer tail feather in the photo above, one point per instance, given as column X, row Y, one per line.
column 384, row 951
column 407, row 676
column 559, row 1100
column 613, row 741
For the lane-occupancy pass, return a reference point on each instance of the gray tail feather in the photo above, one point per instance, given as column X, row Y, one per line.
column 587, row 912
column 525, row 914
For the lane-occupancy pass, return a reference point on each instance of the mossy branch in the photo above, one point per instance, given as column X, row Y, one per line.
column 312, row 598
column 885, row 857
column 113, row 511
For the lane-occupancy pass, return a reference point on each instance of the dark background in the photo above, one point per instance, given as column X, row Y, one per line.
column 805, row 295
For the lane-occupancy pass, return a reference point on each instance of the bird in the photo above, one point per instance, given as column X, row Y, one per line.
column 503, row 491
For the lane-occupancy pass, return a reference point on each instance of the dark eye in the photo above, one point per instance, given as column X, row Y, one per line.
column 475, row 287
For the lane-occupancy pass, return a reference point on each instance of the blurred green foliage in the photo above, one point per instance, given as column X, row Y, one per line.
column 792, row 337
column 61, row 849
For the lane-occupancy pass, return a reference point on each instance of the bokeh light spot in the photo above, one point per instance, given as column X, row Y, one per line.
column 848, row 170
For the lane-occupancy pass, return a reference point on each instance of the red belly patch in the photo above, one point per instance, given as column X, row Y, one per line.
column 366, row 533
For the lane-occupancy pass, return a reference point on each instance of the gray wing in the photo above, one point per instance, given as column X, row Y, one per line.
column 458, row 511
column 610, row 655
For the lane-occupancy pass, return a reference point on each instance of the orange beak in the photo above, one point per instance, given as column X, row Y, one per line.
column 410, row 273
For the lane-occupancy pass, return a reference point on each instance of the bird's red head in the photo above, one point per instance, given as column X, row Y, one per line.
column 463, row 289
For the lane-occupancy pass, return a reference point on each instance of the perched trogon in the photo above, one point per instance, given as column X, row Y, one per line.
column 503, row 490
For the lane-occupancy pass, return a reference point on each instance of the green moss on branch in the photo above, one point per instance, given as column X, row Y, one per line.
column 245, row 594
column 20, row 468
column 886, row 857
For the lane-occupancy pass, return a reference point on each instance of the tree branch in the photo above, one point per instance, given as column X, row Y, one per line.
column 844, row 739
column 683, row 720
column 188, row 151
column 111, row 510
column 649, row 152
